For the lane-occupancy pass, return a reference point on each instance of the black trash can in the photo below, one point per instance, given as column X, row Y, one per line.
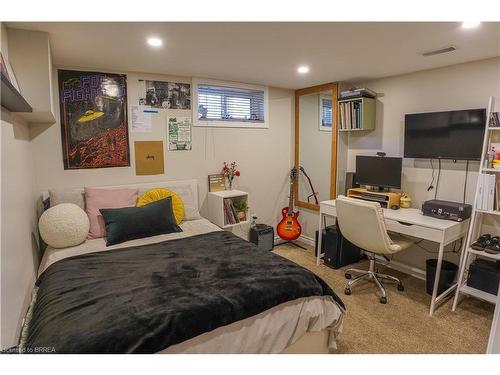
column 446, row 278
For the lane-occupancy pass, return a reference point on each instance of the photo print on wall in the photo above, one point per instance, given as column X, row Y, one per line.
column 165, row 95
column 94, row 129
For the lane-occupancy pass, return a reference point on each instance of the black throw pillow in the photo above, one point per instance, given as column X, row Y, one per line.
column 129, row 223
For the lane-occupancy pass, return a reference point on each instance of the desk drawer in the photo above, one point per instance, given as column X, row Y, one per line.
column 327, row 209
column 414, row 230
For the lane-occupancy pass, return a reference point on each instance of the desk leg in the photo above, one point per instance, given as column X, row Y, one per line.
column 436, row 278
column 320, row 238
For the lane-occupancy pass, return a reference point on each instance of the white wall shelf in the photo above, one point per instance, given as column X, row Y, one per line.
column 488, row 297
column 12, row 100
column 30, row 57
column 488, row 212
column 216, row 206
column 484, row 254
column 366, row 119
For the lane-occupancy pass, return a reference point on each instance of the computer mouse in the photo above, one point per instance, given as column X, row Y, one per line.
column 394, row 207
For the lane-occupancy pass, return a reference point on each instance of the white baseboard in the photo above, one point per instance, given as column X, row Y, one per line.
column 394, row 264
column 307, row 240
column 398, row 266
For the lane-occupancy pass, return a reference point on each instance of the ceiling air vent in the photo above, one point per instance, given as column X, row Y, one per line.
column 439, row 51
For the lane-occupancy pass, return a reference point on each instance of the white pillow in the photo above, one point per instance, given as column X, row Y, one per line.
column 64, row 225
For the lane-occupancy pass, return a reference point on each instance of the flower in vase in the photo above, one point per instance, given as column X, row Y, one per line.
column 230, row 171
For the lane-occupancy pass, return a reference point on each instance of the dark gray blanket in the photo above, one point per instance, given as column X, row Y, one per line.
column 143, row 299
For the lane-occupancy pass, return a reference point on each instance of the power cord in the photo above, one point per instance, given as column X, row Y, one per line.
column 465, row 182
column 438, row 177
column 431, row 186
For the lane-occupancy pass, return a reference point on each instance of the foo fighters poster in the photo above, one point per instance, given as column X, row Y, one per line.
column 94, row 124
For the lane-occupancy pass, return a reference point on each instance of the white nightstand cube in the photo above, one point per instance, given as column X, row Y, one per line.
column 216, row 206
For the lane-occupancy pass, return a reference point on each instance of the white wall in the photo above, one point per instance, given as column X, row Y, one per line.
column 461, row 86
column 18, row 258
column 32, row 162
column 263, row 155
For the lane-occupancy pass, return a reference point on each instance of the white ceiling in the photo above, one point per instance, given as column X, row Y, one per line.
column 268, row 53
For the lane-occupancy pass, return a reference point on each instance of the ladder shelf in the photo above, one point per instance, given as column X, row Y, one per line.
column 476, row 222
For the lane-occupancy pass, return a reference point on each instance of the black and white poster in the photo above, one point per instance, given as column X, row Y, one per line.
column 165, row 95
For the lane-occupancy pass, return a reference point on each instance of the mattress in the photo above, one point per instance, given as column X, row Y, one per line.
column 189, row 228
column 268, row 332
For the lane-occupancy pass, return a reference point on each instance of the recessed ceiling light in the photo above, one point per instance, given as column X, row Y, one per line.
column 303, row 69
column 470, row 24
column 155, row 42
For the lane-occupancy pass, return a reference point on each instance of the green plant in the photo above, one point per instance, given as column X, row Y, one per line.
column 240, row 206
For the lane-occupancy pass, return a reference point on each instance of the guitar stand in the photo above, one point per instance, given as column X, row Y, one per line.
column 292, row 243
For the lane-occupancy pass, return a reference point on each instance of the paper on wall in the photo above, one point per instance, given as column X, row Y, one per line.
column 179, row 133
column 149, row 158
column 141, row 119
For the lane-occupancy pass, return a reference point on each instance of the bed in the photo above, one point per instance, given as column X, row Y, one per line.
column 202, row 290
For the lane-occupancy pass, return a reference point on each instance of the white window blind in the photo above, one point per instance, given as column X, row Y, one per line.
column 219, row 103
column 326, row 112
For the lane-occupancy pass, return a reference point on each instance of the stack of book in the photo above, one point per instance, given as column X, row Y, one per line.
column 487, row 193
column 357, row 93
column 494, row 121
column 350, row 115
column 230, row 216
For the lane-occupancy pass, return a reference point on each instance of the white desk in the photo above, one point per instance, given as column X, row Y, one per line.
column 411, row 222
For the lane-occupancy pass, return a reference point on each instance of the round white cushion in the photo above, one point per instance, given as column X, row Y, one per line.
column 64, row 225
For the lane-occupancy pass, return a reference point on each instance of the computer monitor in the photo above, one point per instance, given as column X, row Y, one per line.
column 379, row 171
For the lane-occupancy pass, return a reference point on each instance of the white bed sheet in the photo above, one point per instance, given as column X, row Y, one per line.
column 189, row 228
column 268, row 332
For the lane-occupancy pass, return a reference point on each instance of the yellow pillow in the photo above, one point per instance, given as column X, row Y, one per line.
column 154, row 195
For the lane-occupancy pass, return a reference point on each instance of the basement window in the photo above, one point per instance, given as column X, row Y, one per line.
column 223, row 104
column 325, row 113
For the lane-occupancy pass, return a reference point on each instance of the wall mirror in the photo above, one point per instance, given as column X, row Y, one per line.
column 315, row 144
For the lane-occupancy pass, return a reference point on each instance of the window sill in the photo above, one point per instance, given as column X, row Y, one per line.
column 231, row 124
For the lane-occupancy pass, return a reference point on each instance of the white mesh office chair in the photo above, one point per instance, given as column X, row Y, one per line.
column 362, row 223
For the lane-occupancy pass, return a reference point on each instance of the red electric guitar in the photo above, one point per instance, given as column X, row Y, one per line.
column 289, row 228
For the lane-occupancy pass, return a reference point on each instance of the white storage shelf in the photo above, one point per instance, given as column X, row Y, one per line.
column 488, row 297
column 216, row 206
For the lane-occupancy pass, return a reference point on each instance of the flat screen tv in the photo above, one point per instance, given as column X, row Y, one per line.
column 456, row 135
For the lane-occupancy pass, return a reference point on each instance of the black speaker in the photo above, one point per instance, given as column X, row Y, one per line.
column 350, row 181
column 484, row 275
column 263, row 236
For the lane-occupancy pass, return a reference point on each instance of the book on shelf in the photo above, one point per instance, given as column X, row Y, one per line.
column 350, row 115
column 487, row 193
column 357, row 93
column 494, row 120
column 230, row 216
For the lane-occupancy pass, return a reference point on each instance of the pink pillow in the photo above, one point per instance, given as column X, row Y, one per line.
column 105, row 198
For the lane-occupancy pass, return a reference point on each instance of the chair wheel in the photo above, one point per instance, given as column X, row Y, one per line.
column 383, row 300
column 348, row 276
column 401, row 287
column 347, row 291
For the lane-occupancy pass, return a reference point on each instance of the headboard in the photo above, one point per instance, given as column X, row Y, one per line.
column 187, row 190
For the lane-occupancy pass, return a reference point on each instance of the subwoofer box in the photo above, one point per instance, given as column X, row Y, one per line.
column 484, row 275
column 263, row 236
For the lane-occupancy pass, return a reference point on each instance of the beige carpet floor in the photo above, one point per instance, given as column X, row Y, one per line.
column 403, row 325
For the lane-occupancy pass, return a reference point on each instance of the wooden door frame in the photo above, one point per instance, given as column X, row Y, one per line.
column 333, row 87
